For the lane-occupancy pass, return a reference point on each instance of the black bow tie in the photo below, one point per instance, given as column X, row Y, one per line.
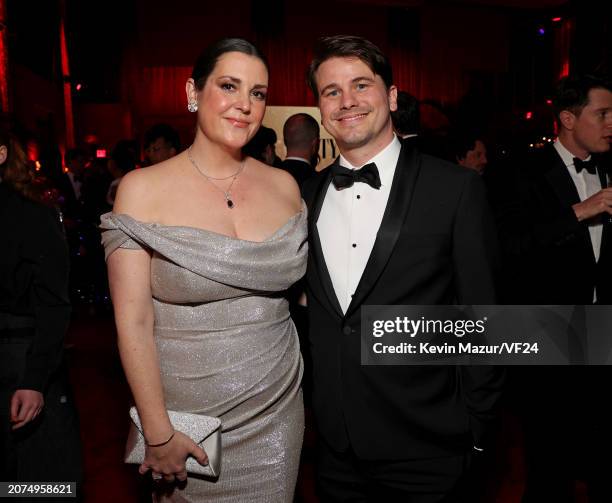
column 590, row 166
column 343, row 178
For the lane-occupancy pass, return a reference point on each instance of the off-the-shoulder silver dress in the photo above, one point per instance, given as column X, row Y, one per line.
column 227, row 347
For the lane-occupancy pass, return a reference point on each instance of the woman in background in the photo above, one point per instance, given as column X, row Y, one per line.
column 39, row 426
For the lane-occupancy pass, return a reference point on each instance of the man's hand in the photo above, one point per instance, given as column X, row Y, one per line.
column 26, row 404
column 598, row 203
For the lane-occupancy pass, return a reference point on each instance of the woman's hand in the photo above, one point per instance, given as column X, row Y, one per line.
column 168, row 461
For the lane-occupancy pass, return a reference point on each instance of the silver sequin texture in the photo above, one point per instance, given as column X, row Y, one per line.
column 227, row 347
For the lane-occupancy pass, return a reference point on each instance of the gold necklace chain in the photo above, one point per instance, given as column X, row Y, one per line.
column 226, row 193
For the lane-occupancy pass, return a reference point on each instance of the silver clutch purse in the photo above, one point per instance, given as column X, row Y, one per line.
column 203, row 430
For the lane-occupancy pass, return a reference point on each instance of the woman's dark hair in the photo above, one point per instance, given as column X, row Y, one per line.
column 349, row 46
column 257, row 145
column 15, row 170
column 206, row 62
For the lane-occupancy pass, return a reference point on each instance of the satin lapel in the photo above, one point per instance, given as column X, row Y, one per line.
column 320, row 281
column 560, row 180
column 404, row 181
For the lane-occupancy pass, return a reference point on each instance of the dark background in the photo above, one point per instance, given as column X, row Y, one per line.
column 481, row 63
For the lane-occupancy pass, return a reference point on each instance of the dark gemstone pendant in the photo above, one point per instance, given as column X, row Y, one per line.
column 230, row 203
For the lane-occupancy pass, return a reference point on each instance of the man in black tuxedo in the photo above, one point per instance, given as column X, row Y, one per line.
column 301, row 137
column 553, row 213
column 408, row 229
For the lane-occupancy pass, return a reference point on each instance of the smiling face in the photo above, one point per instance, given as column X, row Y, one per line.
column 590, row 130
column 355, row 107
column 232, row 103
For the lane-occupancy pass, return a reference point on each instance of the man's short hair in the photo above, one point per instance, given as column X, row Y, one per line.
column 300, row 130
column 461, row 142
column 407, row 118
column 349, row 46
column 165, row 131
column 572, row 92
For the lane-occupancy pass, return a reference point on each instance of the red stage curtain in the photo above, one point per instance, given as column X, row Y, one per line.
column 563, row 40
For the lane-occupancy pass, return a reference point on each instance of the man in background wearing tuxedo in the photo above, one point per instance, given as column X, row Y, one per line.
column 388, row 225
column 301, row 137
column 553, row 211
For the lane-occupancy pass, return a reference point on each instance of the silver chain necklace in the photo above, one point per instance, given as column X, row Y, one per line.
column 227, row 193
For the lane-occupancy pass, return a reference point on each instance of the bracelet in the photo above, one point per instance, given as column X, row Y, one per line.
column 162, row 443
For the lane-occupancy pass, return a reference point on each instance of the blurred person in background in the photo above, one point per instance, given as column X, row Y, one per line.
column 161, row 142
column 122, row 160
column 301, row 137
column 38, row 418
column 469, row 151
column 263, row 147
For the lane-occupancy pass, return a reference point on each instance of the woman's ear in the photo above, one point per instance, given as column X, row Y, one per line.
column 192, row 95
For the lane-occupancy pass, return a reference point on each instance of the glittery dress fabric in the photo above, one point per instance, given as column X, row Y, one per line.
column 227, row 347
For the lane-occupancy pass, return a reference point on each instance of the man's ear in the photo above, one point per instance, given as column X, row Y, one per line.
column 567, row 119
column 314, row 147
column 3, row 154
column 392, row 98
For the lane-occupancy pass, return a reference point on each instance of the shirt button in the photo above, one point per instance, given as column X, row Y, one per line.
column 346, row 330
column 354, row 245
column 358, row 196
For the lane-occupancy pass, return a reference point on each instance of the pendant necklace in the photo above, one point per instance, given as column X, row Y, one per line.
column 227, row 193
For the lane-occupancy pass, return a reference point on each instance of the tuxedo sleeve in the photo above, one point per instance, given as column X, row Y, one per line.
column 475, row 256
column 529, row 216
column 309, row 188
column 47, row 250
column 475, row 251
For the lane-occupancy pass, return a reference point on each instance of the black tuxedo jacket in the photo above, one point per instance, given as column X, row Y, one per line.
column 300, row 170
column 34, row 283
column 548, row 256
column 435, row 245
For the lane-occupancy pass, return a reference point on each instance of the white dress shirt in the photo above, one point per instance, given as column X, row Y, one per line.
column 349, row 222
column 295, row 158
column 586, row 185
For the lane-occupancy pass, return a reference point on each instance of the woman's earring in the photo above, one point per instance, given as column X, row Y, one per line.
column 192, row 106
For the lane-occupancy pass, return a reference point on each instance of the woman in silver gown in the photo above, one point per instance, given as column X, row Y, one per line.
column 199, row 249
